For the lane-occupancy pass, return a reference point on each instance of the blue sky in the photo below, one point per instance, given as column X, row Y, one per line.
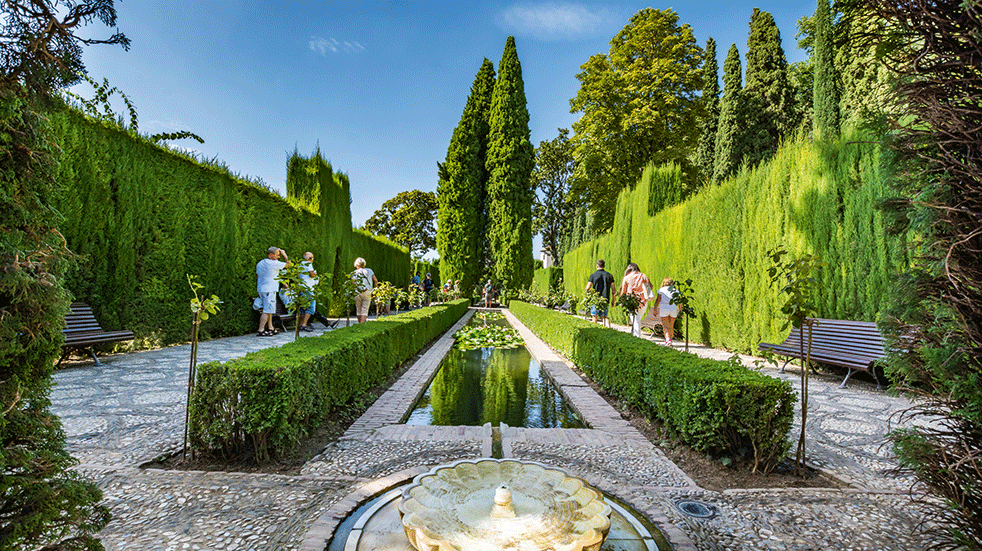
column 379, row 86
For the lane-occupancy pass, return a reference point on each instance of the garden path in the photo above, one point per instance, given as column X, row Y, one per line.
column 131, row 410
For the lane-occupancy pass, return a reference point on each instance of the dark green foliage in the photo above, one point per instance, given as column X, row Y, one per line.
column 768, row 95
column 389, row 261
column 43, row 504
column 407, row 219
column 811, row 198
column 715, row 407
column 934, row 323
column 141, row 216
column 709, row 122
column 551, row 182
column 731, row 130
column 461, row 192
column 266, row 401
column 827, row 92
column 40, row 499
column 510, row 159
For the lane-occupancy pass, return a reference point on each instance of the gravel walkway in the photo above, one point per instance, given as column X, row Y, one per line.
column 130, row 410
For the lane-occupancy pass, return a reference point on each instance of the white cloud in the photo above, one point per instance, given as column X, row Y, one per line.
column 555, row 21
column 333, row 45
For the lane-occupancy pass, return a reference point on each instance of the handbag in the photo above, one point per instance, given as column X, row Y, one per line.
column 257, row 303
column 649, row 293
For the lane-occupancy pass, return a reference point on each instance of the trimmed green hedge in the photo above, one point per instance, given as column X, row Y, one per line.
column 811, row 198
column 266, row 401
column 720, row 408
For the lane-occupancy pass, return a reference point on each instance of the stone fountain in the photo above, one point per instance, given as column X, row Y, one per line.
column 492, row 504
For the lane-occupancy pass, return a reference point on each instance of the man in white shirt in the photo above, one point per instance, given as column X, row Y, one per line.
column 266, row 271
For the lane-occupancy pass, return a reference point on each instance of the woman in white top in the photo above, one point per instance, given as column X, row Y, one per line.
column 365, row 279
column 666, row 310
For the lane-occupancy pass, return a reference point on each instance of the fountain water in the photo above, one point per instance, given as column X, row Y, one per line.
column 491, row 504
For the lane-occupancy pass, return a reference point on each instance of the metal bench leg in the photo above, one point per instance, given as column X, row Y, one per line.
column 785, row 365
column 843, row 385
column 61, row 359
column 94, row 357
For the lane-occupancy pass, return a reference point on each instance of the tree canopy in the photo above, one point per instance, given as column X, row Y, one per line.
column 552, row 179
column 638, row 105
column 407, row 219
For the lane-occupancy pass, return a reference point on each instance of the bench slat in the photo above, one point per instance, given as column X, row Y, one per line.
column 83, row 330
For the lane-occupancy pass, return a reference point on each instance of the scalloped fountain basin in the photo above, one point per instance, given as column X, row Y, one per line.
column 493, row 504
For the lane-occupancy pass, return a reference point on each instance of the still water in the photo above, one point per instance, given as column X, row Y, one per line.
column 490, row 385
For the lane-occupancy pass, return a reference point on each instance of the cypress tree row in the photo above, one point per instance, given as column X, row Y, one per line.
column 706, row 153
column 730, row 133
column 827, row 93
column 510, row 161
column 461, row 192
column 768, row 94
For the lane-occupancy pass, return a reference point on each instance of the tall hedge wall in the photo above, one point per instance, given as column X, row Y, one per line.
column 816, row 198
column 141, row 216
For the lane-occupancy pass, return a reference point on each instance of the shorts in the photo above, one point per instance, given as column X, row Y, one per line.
column 362, row 302
column 598, row 312
column 671, row 311
column 313, row 304
column 269, row 302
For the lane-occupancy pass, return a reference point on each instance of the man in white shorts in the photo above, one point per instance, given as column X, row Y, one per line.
column 266, row 271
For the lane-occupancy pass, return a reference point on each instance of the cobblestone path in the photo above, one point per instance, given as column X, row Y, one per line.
column 131, row 410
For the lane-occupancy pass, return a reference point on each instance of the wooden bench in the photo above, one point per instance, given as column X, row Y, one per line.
column 855, row 345
column 651, row 319
column 282, row 314
column 82, row 331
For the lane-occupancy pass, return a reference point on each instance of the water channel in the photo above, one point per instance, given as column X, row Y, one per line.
column 492, row 385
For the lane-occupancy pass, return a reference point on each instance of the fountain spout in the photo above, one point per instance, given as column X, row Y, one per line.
column 502, row 503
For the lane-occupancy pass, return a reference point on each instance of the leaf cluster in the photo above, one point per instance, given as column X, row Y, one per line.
column 471, row 337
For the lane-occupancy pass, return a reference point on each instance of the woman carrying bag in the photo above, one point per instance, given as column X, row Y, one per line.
column 638, row 284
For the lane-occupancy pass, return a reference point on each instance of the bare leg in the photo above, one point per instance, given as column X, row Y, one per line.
column 304, row 319
column 668, row 325
column 262, row 321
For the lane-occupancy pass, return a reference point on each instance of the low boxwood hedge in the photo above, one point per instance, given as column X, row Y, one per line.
column 717, row 407
column 265, row 401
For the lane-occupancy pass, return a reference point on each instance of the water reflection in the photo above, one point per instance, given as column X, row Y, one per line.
column 489, row 385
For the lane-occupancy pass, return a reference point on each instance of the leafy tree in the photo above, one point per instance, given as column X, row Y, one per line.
column 708, row 124
column 827, row 93
column 639, row 105
column 768, row 94
column 510, row 160
column 551, row 177
column 730, row 135
column 460, row 237
column 42, row 502
column 407, row 219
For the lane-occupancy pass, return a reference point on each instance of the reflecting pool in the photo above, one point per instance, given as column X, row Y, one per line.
column 490, row 385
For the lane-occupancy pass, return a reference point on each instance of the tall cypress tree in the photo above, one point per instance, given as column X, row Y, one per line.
column 828, row 91
column 706, row 153
column 461, row 192
column 730, row 133
column 768, row 94
column 43, row 502
column 510, row 162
